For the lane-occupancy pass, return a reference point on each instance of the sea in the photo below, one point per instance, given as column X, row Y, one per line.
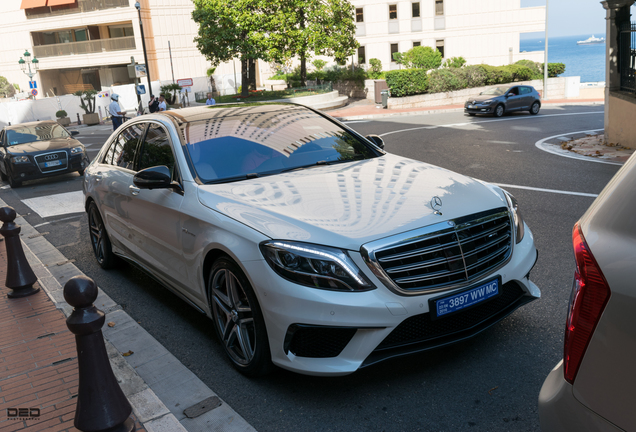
column 586, row 61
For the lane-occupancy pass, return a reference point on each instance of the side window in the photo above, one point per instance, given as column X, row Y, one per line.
column 525, row 90
column 156, row 150
column 121, row 152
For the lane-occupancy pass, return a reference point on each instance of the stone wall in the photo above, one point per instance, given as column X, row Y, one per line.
column 351, row 89
column 620, row 110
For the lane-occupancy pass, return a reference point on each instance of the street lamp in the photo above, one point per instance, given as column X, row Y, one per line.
column 25, row 65
column 143, row 44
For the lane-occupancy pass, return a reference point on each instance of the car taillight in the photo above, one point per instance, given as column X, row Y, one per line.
column 590, row 293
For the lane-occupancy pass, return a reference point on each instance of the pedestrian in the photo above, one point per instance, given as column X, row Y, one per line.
column 116, row 115
column 153, row 105
column 210, row 101
column 162, row 103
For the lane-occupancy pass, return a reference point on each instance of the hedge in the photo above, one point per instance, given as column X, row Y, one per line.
column 406, row 82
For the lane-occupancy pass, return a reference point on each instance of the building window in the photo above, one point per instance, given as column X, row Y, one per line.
column 415, row 7
column 417, row 44
column 392, row 11
column 362, row 59
column 359, row 15
column 439, row 7
column 394, row 49
column 439, row 44
column 125, row 30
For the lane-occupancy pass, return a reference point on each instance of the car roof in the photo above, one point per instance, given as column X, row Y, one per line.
column 201, row 113
column 35, row 123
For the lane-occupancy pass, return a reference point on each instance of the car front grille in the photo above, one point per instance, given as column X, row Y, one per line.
column 48, row 162
column 317, row 341
column 452, row 254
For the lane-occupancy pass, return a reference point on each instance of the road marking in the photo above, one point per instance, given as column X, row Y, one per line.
column 356, row 121
column 58, row 204
column 489, row 121
column 546, row 190
column 56, row 220
column 557, row 150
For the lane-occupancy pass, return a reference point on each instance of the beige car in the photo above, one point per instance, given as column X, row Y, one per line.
column 592, row 388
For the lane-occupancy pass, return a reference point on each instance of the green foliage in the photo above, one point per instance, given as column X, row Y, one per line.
column 375, row 70
column 398, row 57
column 446, row 79
column 210, row 71
column 422, row 57
column 170, row 92
column 6, row 89
column 454, row 62
column 319, row 64
column 341, row 73
column 61, row 114
column 535, row 67
column 475, row 75
column 405, row 82
column 87, row 100
column 555, row 69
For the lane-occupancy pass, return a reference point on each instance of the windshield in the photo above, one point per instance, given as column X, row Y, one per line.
column 497, row 91
column 252, row 141
column 37, row 132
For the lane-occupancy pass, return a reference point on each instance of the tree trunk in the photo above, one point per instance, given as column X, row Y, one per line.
column 303, row 68
column 244, row 78
column 252, row 76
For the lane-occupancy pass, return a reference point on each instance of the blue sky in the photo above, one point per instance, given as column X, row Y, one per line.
column 572, row 17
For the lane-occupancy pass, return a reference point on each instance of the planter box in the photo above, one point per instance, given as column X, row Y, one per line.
column 64, row 121
column 90, row 119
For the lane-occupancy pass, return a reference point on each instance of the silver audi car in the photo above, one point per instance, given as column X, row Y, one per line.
column 308, row 245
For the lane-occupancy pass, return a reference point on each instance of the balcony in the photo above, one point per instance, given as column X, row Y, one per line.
column 85, row 47
column 81, row 6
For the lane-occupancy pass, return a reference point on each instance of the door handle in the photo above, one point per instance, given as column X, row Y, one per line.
column 134, row 190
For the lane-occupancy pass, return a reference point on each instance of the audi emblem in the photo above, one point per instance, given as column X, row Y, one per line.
column 51, row 157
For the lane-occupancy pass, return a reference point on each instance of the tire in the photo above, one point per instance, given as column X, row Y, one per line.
column 80, row 172
column 99, row 238
column 14, row 183
column 499, row 110
column 472, row 114
column 3, row 176
column 238, row 319
column 534, row 109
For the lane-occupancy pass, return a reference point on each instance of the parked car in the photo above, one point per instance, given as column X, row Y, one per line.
column 592, row 388
column 306, row 244
column 502, row 99
column 39, row 149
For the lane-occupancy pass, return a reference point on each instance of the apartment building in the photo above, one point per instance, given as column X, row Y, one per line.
column 481, row 31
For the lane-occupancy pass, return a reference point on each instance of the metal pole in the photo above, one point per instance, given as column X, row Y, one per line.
column 143, row 44
column 545, row 61
column 171, row 68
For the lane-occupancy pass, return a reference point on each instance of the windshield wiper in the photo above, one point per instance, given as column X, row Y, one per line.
column 233, row 179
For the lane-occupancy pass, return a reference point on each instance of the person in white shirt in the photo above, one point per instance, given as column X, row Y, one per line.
column 114, row 110
column 162, row 103
column 210, row 101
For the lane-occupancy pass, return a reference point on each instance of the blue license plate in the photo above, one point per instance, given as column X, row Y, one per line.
column 52, row 163
column 465, row 299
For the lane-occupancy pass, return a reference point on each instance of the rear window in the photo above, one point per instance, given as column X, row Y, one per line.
column 254, row 141
column 39, row 132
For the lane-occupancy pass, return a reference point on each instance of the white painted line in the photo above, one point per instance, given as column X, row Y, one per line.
column 557, row 150
column 356, row 121
column 546, row 190
column 56, row 220
column 59, row 204
column 490, row 121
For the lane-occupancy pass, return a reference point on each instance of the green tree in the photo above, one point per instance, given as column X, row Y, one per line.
column 6, row 88
column 87, row 100
column 422, row 57
column 230, row 29
column 319, row 64
column 169, row 92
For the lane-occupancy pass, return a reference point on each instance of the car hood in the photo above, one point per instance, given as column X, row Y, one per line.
column 40, row 146
column 480, row 98
column 348, row 205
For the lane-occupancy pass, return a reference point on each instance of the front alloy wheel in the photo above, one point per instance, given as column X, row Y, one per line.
column 499, row 111
column 99, row 238
column 238, row 319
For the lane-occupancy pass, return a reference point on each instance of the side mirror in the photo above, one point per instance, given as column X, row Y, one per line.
column 74, row 132
column 153, row 178
column 376, row 139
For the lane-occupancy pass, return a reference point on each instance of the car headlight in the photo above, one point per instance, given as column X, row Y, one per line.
column 315, row 266
column 516, row 215
column 20, row 159
column 79, row 149
column 486, row 102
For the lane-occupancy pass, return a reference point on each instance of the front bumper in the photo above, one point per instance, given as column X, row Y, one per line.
column 30, row 170
column 479, row 109
column 319, row 332
column 560, row 411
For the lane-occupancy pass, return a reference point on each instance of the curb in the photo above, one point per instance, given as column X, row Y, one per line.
column 441, row 110
column 152, row 367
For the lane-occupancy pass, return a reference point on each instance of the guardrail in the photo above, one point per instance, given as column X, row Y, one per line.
column 85, row 47
column 82, row 6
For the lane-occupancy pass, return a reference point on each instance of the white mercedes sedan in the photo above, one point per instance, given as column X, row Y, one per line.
column 308, row 245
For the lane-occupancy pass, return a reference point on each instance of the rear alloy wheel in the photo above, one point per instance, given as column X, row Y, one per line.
column 534, row 109
column 99, row 238
column 238, row 319
column 499, row 111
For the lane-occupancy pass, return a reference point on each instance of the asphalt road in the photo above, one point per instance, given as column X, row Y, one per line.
column 489, row 383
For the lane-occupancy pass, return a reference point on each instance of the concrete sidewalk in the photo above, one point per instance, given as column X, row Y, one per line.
column 363, row 109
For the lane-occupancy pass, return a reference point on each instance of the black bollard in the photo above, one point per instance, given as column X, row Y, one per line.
column 101, row 404
column 79, row 122
column 20, row 277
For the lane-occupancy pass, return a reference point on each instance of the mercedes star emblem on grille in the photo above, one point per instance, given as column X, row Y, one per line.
column 50, row 157
column 436, row 204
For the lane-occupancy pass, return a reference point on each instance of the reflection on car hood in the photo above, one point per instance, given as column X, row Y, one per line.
column 40, row 146
column 347, row 205
column 479, row 98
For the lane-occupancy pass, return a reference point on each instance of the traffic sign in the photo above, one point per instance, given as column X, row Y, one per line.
column 33, row 84
column 186, row 82
column 34, row 92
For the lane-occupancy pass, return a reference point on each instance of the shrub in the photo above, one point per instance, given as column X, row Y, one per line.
column 405, row 82
column 61, row 114
column 375, row 69
column 555, row 69
column 446, row 79
column 519, row 73
column 319, row 64
column 474, row 75
column 535, row 67
column 338, row 73
column 422, row 57
column 454, row 62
